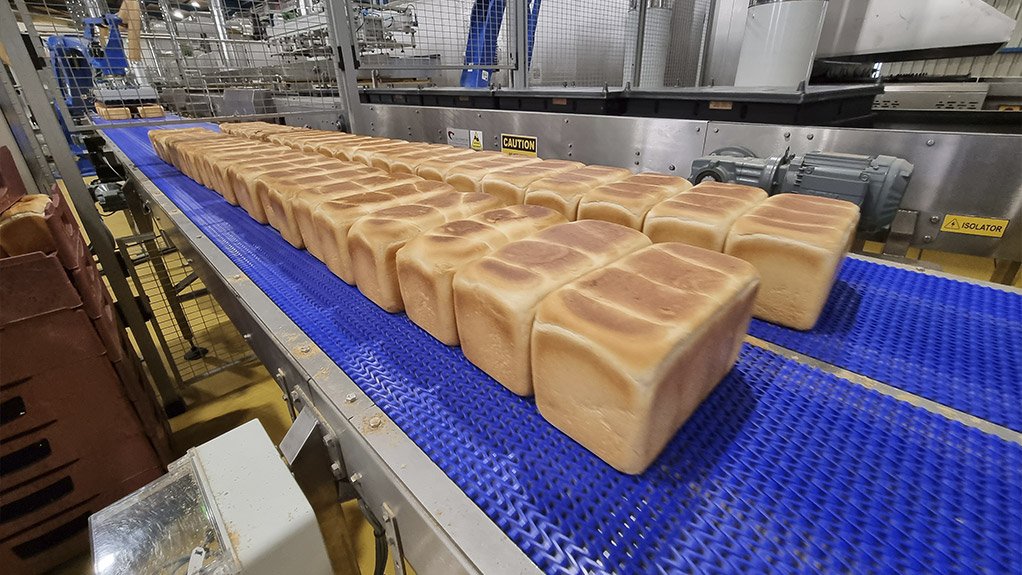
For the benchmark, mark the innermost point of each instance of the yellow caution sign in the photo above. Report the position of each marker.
(518, 145)
(476, 141)
(974, 226)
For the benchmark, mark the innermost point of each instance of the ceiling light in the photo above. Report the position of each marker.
(195, 4)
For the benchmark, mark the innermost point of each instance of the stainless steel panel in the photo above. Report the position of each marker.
(968, 174)
(443, 531)
(659, 145)
(933, 96)
(310, 111)
(883, 28)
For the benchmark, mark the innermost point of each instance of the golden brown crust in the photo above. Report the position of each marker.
(373, 241)
(495, 296)
(701, 216)
(34, 204)
(623, 355)
(797, 243)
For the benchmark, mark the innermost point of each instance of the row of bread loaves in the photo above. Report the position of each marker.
(619, 339)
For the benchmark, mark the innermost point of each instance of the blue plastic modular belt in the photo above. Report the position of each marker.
(956, 343)
(783, 469)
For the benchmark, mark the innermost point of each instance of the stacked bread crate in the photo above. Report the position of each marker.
(79, 427)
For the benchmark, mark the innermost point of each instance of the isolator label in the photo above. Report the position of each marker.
(518, 145)
(988, 227)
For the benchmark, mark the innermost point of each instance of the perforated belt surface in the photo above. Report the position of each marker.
(784, 468)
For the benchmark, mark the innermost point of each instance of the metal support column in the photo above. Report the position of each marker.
(216, 7)
(168, 20)
(12, 107)
(34, 84)
(147, 32)
(640, 39)
(341, 37)
(520, 73)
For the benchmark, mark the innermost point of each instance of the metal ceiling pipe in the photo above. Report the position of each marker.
(780, 43)
(219, 12)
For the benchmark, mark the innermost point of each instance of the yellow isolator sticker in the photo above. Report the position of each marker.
(518, 145)
(974, 226)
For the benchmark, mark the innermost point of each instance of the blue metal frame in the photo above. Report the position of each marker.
(481, 48)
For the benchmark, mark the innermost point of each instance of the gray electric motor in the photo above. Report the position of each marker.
(874, 183)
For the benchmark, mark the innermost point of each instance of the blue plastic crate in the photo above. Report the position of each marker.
(783, 469)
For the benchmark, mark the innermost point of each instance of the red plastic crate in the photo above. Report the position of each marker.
(64, 534)
(34, 284)
(44, 342)
(85, 392)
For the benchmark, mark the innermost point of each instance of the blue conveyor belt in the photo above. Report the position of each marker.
(784, 468)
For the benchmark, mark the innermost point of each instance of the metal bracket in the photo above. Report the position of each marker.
(281, 379)
(393, 540)
(345, 488)
(903, 228)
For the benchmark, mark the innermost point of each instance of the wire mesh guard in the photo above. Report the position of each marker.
(439, 42)
(196, 338)
(197, 58)
(567, 43)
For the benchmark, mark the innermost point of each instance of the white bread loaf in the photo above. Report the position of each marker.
(373, 155)
(332, 220)
(374, 240)
(427, 264)
(257, 130)
(562, 192)
(252, 182)
(407, 162)
(304, 206)
(23, 227)
(188, 155)
(342, 148)
(797, 243)
(283, 196)
(384, 160)
(240, 173)
(495, 297)
(624, 355)
(289, 181)
(151, 111)
(316, 145)
(627, 202)
(436, 168)
(170, 146)
(298, 140)
(208, 161)
(348, 152)
(468, 177)
(162, 139)
(510, 184)
(701, 216)
(219, 167)
(114, 113)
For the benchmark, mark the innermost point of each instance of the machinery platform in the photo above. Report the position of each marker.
(785, 468)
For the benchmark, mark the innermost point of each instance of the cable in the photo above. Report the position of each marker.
(382, 549)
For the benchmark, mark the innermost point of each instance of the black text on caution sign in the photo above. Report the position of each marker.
(518, 145)
(974, 226)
